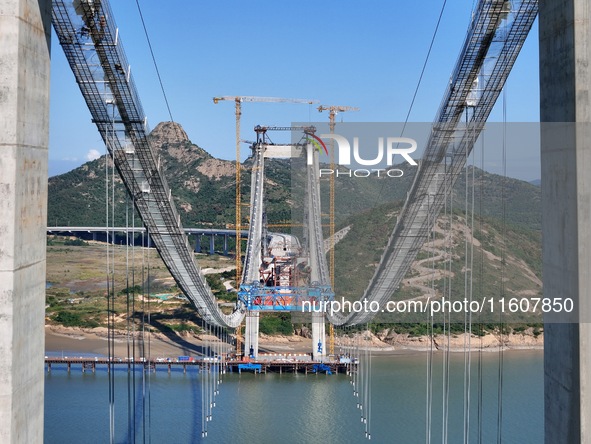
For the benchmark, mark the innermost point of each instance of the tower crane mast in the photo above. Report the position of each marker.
(333, 110)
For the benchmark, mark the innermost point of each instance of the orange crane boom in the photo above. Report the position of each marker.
(333, 110)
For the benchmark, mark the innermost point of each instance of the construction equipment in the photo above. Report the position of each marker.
(261, 129)
(333, 110)
(238, 110)
(238, 107)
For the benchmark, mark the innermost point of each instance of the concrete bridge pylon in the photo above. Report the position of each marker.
(565, 113)
(25, 31)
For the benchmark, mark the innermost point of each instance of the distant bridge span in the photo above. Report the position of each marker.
(195, 231)
(111, 232)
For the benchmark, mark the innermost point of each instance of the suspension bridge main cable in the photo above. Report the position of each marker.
(418, 86)
(154, 59)
(412, 102)
(176, 128)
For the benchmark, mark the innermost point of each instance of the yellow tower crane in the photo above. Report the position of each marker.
(238, 107)
(333, 110)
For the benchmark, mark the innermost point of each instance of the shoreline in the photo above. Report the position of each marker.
(73, 341)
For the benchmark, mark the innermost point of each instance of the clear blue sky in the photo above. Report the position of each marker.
(364, 54)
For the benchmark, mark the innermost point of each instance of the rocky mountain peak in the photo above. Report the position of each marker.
(168, 133)
(171, 137)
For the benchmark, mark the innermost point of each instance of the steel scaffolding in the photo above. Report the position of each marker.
(90, 39)
(496, 35)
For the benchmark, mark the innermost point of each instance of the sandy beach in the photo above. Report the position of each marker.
(73, 341)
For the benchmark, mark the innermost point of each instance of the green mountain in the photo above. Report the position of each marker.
(204, 187)
(502, 259)
(204, 190)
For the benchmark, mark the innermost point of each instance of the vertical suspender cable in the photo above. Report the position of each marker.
(444, 292)
(220, 357)
(108, 270)
(471, 289)
(130, 401)
(357, 367)
(429, 394)
(358, 383)
(449, 296)
(202, 383)
(143, 292)
(430, 382)
(110, 205)
(203, 376)
(147, 359)
(447, 290)
(148, 297)
(209, 372)
(206, 375)
(142, 346)
(503, 272)
(357, 370)
(480, 292)
(112, 311)
(214, 367)
(214, 374)
(366, 380)
(466, 234)
(468, 264)
(217, 361)
(363, 378)
(369, 369)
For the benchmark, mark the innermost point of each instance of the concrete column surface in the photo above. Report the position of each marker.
(318, 336)
(24, 130)
(565, 110)
(251, 333)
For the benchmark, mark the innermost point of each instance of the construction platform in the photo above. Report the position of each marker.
(284, 365)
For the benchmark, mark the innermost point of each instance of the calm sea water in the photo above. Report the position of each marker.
(290, 408)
